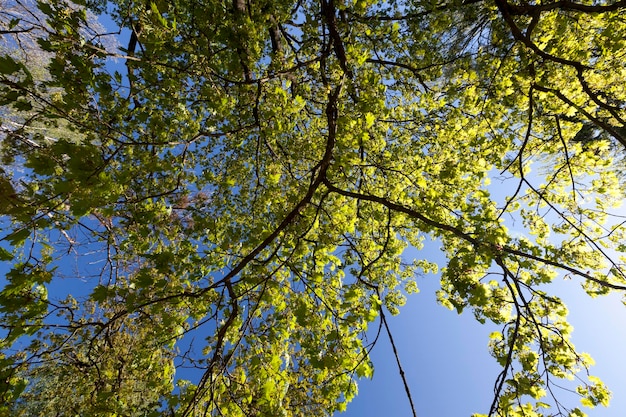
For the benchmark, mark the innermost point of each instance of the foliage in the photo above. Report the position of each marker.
(98, 370)
(238, 188)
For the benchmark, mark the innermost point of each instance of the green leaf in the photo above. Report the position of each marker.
(100, 293)
(256, 181)
(5, 255)
(18, 237)
(8, 65)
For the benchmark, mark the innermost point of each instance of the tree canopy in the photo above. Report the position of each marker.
(232, 191)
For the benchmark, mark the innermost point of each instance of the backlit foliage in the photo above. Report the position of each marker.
(230, 195)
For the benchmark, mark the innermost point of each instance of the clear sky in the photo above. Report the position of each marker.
(448, 366)
(446, 359)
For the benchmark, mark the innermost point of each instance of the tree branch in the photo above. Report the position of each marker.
(467, 237)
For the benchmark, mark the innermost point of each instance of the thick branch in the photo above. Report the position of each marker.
(321, 167)
(504, 8)
(613, 131)
(467, 237)
(531, 9)
(329, 13)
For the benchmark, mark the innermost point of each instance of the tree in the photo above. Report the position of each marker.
(239, 192)
(98, 370)
(22, 25)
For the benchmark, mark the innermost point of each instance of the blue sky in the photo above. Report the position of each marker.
(448, 366)
(446, 359)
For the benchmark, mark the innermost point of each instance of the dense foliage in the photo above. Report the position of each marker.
(231, 193)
